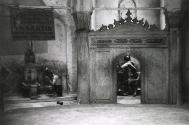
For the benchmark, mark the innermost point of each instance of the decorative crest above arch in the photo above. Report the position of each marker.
(130, 21)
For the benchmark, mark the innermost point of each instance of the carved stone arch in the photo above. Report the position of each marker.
(122, 2)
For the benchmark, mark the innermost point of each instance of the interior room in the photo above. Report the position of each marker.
(95, 58)
(128, 81)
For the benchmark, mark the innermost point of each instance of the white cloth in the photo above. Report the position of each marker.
(55, 78)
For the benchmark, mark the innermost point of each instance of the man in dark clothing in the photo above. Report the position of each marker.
(130, 75)
(48, 75)
(122, 83)
(47, 84)
(133, 81)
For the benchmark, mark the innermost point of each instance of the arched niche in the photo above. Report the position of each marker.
(138, 59)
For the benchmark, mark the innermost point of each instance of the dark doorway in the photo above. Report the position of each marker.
(128, 81)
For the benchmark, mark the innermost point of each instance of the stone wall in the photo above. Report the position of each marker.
(105, 16)
(52, 50)
(173, 5)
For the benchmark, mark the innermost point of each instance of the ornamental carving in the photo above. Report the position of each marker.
(121, 41)
(135, 41)
(130, 20)
(154, 41)
(104, 41)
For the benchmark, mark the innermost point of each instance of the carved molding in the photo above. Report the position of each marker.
(124, 42)
(130, 20)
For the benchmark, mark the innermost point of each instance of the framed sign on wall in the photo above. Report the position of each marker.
(32, 24)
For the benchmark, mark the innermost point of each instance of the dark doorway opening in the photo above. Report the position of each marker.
(128, 81)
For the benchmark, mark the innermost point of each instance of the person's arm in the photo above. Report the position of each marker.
(125, 65)
(128, 64)
(138, 77)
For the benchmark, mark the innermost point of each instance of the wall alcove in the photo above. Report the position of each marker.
(145, 42)
(119, 76)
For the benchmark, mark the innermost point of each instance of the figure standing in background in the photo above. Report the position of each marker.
(48, 76)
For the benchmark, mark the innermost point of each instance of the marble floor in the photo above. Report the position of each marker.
(128, 111)
(101, 114)
(17, 102)
(44, 101)
(128, 100)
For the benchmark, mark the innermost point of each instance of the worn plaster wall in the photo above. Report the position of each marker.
(81, 5)
(107, 16)
(71, 49)
(52, 50)
(56, 49)
(173, 5)
(8, 46)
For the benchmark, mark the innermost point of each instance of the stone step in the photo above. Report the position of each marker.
(41, 98)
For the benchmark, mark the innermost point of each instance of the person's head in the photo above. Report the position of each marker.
(127, 58)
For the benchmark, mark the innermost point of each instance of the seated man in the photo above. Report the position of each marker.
(46, 85)
(48, 73)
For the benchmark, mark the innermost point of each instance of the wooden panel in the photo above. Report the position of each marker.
(156, 76)
(102, 82)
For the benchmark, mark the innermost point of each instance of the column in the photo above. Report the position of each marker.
(82, 21)
(175, 82)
